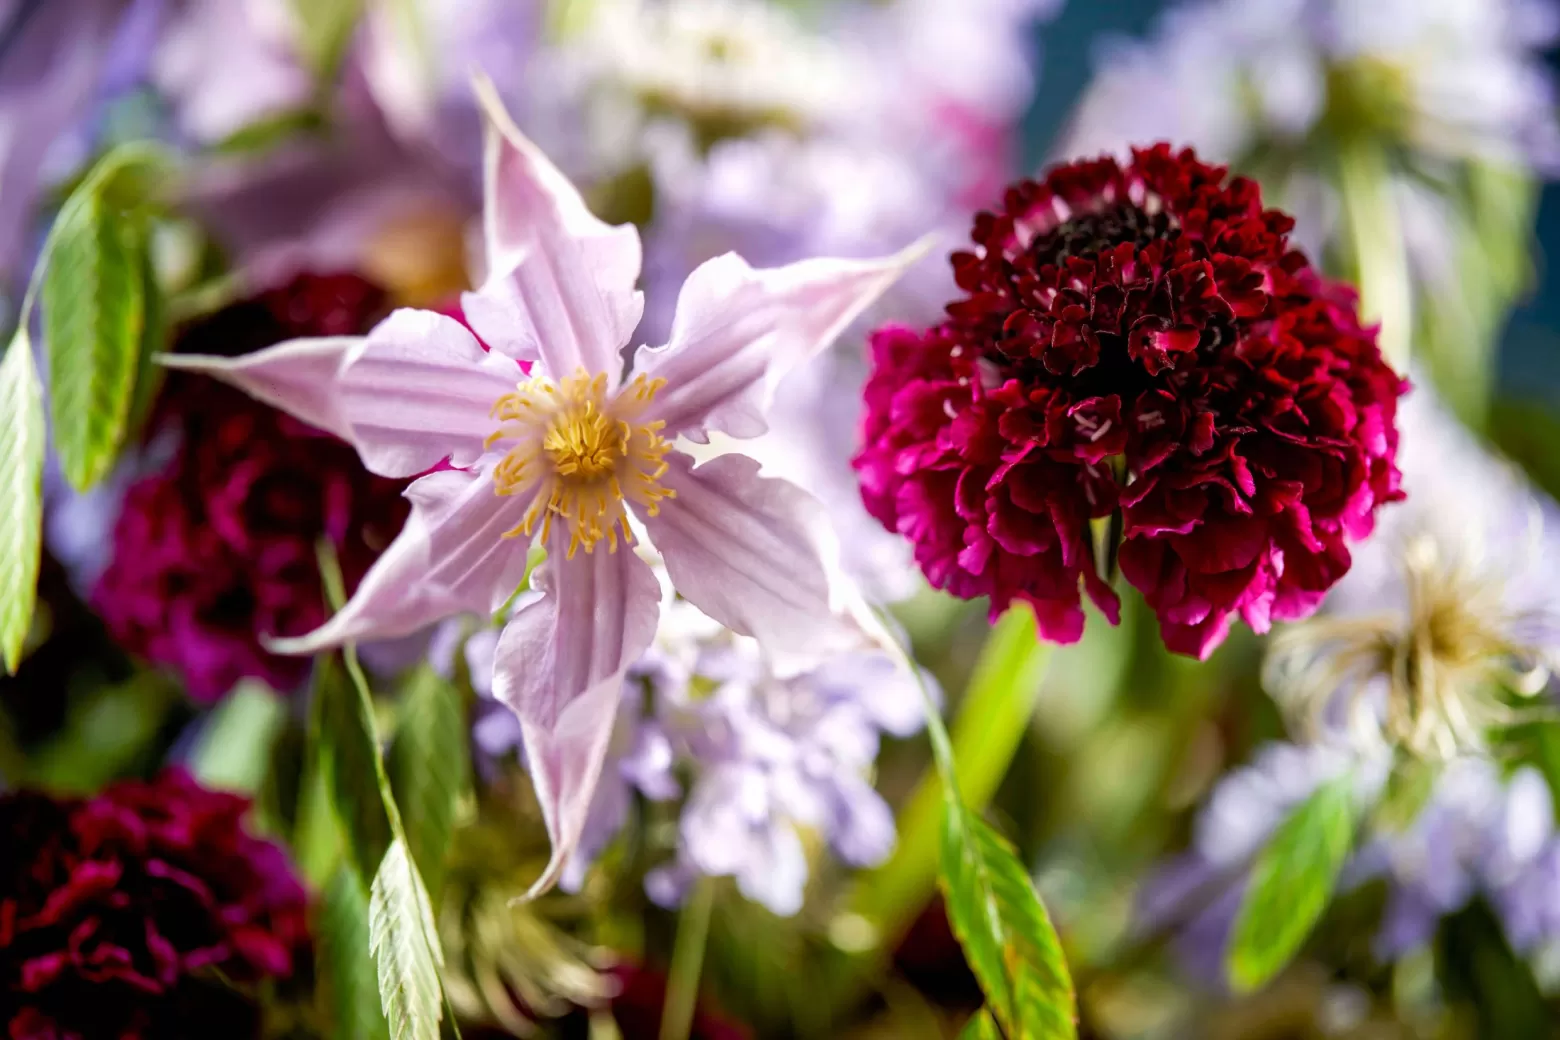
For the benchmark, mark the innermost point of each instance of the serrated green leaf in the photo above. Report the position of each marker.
(350, 979)
(94, 309)
(154, 337)
(401, 940)
(350, 756)
(428, 768)
(1006, 933)
(21, 495)
(1291, 884)
(981, 1026)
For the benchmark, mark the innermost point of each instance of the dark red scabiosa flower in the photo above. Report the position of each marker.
(145, 912)
(218, 546)
(1135, 340)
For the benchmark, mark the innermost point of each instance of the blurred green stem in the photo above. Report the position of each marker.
(682, 983)
(991, 721)
(1376, 246)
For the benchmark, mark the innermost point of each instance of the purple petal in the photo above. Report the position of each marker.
(745, 549)
(420, 389)
(450, 558)
(560, 666)
(298, 377)
(560, 282)
(739, 330)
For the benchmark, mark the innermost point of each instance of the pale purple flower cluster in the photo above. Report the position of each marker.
(1480, 833)
(757, 759)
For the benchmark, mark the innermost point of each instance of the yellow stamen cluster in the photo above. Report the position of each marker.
(582, 454)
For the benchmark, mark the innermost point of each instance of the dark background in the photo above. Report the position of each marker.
(1530, 350)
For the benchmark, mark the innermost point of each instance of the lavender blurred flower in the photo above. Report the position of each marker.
(566, 454)
(229, 64)
(1478, 833)
(1449, 79)
(1450, 609)
(767, 757)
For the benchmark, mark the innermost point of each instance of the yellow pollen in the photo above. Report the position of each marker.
(582, 454)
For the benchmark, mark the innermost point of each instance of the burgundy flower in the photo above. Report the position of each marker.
(218, 547)
(144, 912)
(1135, 339)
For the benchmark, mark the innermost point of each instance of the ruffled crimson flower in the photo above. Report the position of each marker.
(145, 912)
(1138, 340)
(218, 547)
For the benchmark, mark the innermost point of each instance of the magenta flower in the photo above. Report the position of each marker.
(551, 442)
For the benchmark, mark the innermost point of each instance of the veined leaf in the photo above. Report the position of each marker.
(21, 495)
(94, 309)
(981, 1026)
(350, 979)
(428, 768)
(350, 756)
(1291, 884)
(402, 941)
(1005, 931)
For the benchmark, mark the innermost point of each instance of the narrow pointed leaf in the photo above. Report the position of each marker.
(1006, 933)
(351, 982)
(400, 936)
(981, 1026)
(1291, 884)
(21, 495)
(353, 776)
(94, 311)
(428, 768)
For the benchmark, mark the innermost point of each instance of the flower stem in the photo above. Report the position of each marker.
(682, 983)
(1375, 243)
(987, 731)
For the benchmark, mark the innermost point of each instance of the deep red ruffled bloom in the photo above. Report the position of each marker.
(219, 546)
(144, 912)
(1139, 338)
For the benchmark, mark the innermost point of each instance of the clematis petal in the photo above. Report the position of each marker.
(560, 282)
(450, 558)
(419, 389)
(297, 377)
(738, 330)
(749, 552)
(559, 667)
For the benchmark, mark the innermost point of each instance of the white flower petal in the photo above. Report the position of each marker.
(745, 550)
(739, 330)
(559, 667)
(450, 558)
(297, 377)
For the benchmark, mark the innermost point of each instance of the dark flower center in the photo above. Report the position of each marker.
(1088, 234)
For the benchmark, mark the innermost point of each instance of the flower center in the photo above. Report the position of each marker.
(1091, 233)
(584, 453)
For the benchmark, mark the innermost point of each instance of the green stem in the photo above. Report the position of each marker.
(682, 983)
(1375, 242)
(987, 731)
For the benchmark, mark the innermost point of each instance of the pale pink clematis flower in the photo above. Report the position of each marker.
(564, 452)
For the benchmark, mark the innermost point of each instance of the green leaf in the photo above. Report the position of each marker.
(154, 340)
(1291, 884)
(350, 980)
(402, 941)
(981, 1026)
(234, 752)
(993, 716)
(1005, 931)
(21, 495)
(352, 768)
(94, 309)
(428, 769)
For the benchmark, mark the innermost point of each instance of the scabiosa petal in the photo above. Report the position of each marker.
(1135, 338)
(119, 913)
